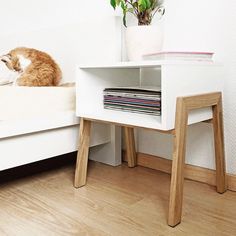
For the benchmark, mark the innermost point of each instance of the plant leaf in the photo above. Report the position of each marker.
(125, 9)
(113, 3)
(124, 19)
(131, 10)
(142, 5)
(161, 11)
(148, 4)
(135, 4)
(118, 2)
(123, 5)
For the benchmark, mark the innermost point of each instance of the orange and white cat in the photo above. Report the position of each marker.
(32, 67)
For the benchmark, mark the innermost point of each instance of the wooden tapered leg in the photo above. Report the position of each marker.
(82, 156)
(177, 174)
(130, 146)
(221, 185)
(184, 105)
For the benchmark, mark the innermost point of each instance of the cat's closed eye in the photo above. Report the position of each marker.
(5, 58)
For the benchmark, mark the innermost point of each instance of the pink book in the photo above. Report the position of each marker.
(179, 55)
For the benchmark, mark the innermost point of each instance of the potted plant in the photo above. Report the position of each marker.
(143, 38)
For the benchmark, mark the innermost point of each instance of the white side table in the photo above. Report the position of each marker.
(191, 93)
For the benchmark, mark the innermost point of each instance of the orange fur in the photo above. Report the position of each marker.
(42, 71)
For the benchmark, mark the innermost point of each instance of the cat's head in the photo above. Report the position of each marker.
(12, 62)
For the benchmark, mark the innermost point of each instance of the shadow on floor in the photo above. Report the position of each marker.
(37, 167)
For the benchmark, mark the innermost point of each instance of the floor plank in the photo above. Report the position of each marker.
(115, 201)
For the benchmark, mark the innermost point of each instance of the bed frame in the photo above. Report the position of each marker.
(35, 138)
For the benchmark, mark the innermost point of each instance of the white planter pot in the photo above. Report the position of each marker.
(140, 40)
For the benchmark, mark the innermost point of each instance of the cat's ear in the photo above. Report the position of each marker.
(5, 58)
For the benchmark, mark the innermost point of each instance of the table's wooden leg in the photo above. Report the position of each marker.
(82, 156)
(177, 174)
(130, 146)
(221, 185)
(184, 105)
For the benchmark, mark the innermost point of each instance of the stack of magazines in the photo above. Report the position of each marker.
(144, 100)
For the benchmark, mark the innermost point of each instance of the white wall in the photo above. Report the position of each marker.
(202, 26)
(73, 32)
(26, 15)
(189, 25)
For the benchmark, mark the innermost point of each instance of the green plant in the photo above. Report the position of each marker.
(143, 10)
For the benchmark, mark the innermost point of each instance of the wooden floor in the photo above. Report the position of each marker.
(115, 201)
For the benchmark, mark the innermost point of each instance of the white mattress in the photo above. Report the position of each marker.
(32, 109)
(27, 102)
